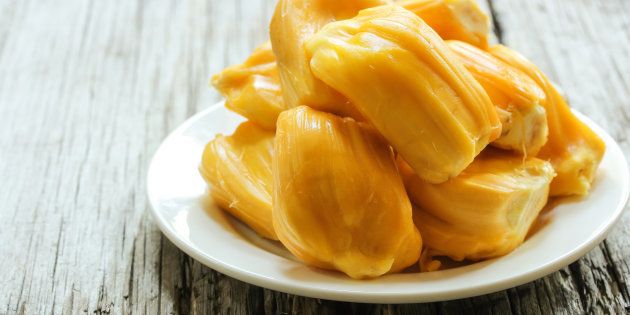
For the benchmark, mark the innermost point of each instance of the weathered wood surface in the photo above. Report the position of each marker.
(88, 89)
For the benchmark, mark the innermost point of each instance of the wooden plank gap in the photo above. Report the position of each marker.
(496, 21)
(578, 280)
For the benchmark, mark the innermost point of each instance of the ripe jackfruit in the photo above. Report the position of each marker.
(238, 168)
(252, 89)
(573, 148)
(293, 23)
(453, 19)
(339, 201)
(486, 211)
(407, 83)
(525, 130)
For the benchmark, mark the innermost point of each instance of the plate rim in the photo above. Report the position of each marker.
(296, 288)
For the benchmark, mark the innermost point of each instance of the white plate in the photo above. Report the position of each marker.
(190, 220)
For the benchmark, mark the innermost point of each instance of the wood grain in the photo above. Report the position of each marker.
(88, 89)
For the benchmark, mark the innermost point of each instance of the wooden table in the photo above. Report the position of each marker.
(88, 90)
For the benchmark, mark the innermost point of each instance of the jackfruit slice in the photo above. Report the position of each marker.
(238, 167)
(486, 211)
(339, 201)
(461, 20)
(293, 23)
(573, 148)
(252, 89)
(407, 83)
(513, 91)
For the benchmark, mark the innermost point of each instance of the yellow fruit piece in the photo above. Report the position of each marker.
(407, 83)
(252, 89)
(339, 201)
(525, 128)
(486, 211)
(238, 168)
(453, 19)
(426, 262)
(293, 23)
(573, 148)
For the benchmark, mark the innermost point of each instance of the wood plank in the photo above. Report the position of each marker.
(88, 90)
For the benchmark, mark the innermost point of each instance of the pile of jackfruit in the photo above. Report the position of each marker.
(381, 135)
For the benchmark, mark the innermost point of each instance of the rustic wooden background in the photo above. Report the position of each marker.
(88, 89)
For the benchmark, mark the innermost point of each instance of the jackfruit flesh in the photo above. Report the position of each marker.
(461, 20)
(513, 91)
(572, 147)
(408, 176)
(252, 89)
(486, 211)
(339, 200)
(407, 83)
(238, 169)
(293, 23)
